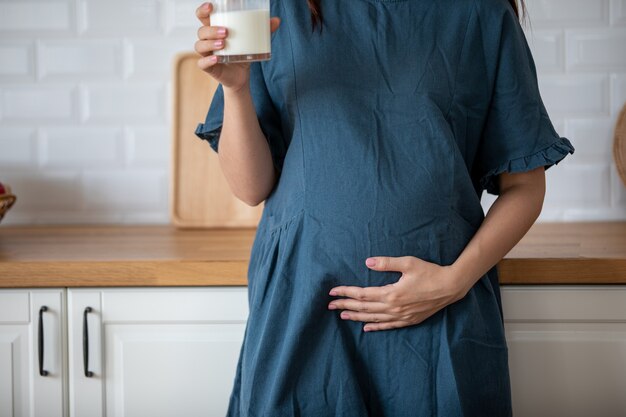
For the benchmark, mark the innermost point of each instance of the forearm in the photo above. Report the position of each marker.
(508, 220)
(244, 153)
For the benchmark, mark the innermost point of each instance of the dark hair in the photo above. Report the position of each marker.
(316, 11)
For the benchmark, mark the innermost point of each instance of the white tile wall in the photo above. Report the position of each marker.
(618, 12)
(95, 147)
(147, 147)
(30, 104)
(548, 51)
(568, 13)
(575, 94)
(42, 190)
(83, 58)
(147, 59)
(16, 59)
(25, 16)
(618, 92)
(593, 181)
(592, 138)
(127, 17)
(181, 18)
(128, 102)
(84, 105)
(118, 190)
(596, 49)
(17, 147)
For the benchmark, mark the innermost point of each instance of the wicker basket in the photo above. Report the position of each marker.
(6, 201)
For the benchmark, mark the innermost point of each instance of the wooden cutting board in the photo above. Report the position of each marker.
(200, 195)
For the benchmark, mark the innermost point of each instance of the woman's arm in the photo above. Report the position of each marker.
(508, 220)
(244, 153)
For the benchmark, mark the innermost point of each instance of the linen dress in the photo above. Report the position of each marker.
(385, 128)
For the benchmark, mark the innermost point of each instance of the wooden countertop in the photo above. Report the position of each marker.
(104, 256)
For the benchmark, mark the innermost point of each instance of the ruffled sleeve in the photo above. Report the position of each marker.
(267, 114)
(518, 135)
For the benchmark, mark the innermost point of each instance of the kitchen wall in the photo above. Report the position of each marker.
(85, 105)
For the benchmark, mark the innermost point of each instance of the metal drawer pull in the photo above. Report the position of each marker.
(42, 372)
(88, 374)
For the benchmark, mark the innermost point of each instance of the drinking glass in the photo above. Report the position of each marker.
(248, 26)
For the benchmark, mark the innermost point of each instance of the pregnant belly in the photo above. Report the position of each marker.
(308, 256)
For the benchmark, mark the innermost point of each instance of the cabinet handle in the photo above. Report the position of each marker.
(42, 372)
(88, 374)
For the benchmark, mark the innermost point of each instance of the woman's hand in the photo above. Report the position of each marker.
(211, 38)
(423, 289)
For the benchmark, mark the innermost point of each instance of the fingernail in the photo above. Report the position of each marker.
(370, 262)
(332, 307)
(345, 315)
(213, 58)
(366, 329)
(205, 5)
(332, 292)
(218, 43)
(221, 31)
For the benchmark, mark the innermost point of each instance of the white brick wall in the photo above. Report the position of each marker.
(17, 60)
(580, 51)
(62, 59)
(21, 17)
(84, 105)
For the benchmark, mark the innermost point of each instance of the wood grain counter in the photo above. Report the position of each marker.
(105, 256)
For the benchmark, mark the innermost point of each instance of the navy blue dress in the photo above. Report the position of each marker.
(385, 128)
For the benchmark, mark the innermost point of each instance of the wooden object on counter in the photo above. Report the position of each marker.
(7, 199)
(201, 197)
(104, 256)
(619, 145)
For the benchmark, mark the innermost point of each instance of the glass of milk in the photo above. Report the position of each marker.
(248, 26)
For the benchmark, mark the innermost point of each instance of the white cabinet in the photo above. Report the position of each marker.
(157, 352)
(567, 350)
(33, 372)
(167, 351)
(172, 351)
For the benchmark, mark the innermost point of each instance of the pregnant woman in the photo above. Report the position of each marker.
(371, 135)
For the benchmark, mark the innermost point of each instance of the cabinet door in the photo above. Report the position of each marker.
(23, 390)
(156, 351)
(567, 350)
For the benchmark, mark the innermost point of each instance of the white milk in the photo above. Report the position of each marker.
(248, 31)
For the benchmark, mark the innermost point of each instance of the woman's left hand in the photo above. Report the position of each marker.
(423, 289)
